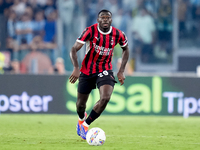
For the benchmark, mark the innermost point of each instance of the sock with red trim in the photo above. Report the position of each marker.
(93, 115)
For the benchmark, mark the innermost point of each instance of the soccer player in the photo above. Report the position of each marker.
(96, 68)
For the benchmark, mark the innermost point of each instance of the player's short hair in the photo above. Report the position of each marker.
(104, 10)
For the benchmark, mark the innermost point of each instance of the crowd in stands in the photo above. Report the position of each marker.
(31, 35)
(31, 28)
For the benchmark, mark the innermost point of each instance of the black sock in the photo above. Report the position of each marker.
(93, 115)
(81, 114)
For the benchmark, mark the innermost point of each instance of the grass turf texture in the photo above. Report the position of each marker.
(58, 132)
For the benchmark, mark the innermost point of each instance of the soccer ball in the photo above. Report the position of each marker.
(96, 137)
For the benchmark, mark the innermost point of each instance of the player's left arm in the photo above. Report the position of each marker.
(125, 56)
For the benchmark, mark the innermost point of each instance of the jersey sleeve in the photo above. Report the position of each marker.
(85, 36)
(123, 40)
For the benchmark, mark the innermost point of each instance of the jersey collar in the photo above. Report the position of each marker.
(104, 32)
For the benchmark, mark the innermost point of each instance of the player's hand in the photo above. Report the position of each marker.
(74, 76)
(121, 77)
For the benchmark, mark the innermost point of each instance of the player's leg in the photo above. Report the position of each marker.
(85, 86)
(81, 104)
(105, 94)
(80, 108)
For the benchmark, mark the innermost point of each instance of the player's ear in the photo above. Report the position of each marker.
(98, 19)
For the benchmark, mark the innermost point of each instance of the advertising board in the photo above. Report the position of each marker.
(138, 96)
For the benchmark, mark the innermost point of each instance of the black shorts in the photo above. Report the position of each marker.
(89, 82)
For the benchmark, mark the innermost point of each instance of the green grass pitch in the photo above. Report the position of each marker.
(58, 132)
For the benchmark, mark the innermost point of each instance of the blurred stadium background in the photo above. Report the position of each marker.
(164, 39)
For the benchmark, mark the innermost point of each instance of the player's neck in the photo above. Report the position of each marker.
(104, 30)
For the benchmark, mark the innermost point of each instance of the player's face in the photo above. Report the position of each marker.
(104, 20)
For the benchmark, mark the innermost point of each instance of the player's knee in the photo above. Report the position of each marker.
(80, 106)
(105, 99)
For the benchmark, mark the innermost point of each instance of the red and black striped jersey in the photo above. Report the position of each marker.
(99, 48)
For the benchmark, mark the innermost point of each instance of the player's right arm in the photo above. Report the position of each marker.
(85, 36)
(74, 58)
